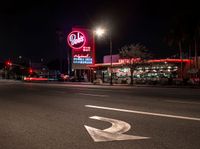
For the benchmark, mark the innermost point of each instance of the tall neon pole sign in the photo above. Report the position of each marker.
(80, 40)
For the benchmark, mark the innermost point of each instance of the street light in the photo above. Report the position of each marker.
(100, 32)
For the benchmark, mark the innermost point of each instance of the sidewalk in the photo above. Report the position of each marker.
(90, 84)
(9, 81)
(170, 86)
(134, 85)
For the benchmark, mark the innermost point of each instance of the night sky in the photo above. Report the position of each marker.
(29, 28)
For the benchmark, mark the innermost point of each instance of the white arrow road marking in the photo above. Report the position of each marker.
(115, 132)
(145, 113)
(117, 125)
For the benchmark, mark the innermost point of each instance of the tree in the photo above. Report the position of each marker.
(176, 36)
(195, 39)
(184, 33)
(54, 64)
(134, 53)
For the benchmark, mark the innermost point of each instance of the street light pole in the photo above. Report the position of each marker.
(111, 74)
(94, 58)
(99, 32)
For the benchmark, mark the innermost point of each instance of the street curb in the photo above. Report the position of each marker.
(130, 86)
(102, 85)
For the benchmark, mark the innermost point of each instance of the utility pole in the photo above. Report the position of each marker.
(196, 54)
(181, 57)
(68, 62)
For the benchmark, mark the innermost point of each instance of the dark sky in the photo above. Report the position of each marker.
(28, 28)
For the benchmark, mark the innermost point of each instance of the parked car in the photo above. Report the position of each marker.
(63, 77)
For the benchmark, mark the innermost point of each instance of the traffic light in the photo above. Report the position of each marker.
(30, 70)
(8, 63)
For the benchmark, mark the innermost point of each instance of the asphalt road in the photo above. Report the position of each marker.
(54, 116)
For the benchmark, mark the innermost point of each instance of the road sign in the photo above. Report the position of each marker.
(113, 133)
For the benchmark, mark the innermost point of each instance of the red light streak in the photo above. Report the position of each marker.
(35, 79)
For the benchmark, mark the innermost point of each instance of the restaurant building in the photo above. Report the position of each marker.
(150, 71)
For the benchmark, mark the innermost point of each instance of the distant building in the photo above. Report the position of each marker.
(1, 70)
(107, 58)
(40, 69)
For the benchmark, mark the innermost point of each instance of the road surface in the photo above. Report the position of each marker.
(64, 116)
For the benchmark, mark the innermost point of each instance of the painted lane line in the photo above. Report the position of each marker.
(59, 92)
(107, 90)
(113, 133)
(95, 95)
(183, 102)
(144, 113)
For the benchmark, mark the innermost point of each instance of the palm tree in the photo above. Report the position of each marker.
(196, 38)
(185, 34)
(135, 53)
(178, 36)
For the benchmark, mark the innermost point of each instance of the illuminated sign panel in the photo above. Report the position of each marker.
(81, 42)
(76, 40)
(129, 61)
(78, 60)
(82, 57)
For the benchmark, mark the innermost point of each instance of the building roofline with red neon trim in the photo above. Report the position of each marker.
(148, 61)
